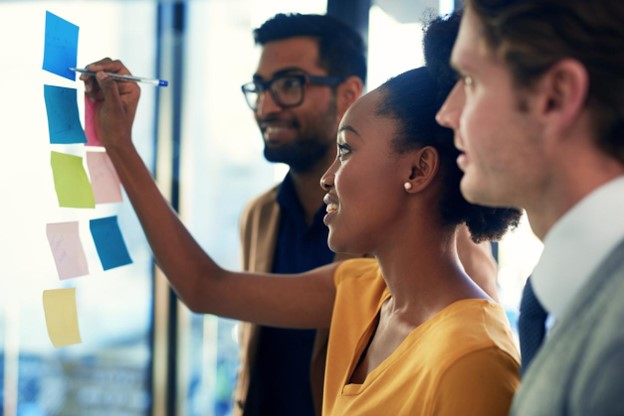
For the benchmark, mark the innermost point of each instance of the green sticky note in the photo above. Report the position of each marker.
(73, 189)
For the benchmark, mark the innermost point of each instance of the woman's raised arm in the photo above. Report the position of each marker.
(301, 301)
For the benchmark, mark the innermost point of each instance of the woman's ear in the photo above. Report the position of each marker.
(347, 92)
(424, 167)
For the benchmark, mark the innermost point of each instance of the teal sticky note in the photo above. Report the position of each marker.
(63, 118)
(60, 47)
(73, 188)
(109, 242)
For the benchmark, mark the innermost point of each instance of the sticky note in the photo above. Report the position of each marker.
(67, 249)
(90, 131)
(61, 316)
(73, 189)
(104, 179)
(60, 46)
(109, 242)
(63, 119)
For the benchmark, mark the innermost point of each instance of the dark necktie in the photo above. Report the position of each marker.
(531, 325)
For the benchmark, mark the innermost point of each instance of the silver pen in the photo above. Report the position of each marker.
(121, 77)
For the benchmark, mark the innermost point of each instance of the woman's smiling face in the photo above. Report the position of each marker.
(365, 182)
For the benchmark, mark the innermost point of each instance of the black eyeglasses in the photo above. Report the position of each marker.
(286, 90)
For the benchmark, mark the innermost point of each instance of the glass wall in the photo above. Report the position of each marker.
(109, 371)
(406, 53)
(222, 167)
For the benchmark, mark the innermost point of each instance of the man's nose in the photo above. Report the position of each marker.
(449, 113)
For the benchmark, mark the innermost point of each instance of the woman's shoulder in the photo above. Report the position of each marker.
(476, 358)
(357, 269)
(473, 325)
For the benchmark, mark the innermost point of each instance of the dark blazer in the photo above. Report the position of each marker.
(579, 371)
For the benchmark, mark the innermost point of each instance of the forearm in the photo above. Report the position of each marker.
(201, 284)
(175, 250)
(301, 301)
(478, 262)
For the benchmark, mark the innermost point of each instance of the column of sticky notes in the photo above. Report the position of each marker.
(83, 177)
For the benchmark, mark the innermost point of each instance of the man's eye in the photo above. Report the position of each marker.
(288, 84)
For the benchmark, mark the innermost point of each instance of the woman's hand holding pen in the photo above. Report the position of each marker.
(115, 102)
(115, 105)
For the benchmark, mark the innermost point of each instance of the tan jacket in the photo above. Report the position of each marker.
(259, 223)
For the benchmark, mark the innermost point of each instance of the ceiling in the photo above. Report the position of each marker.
(408, 11)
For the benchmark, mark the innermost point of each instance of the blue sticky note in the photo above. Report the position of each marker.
(61, 46)
(109, 242)
(63, 118)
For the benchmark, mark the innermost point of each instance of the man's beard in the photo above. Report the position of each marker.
(304, 153)
(301, 155)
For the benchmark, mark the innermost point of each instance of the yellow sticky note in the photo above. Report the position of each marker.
(61, 316)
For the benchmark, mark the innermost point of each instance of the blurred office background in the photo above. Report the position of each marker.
(142, 352)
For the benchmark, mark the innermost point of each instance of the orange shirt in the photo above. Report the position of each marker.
(463, 361)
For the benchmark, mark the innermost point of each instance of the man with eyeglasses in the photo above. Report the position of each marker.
(311, 69)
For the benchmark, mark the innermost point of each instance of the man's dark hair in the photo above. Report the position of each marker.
(341, 49)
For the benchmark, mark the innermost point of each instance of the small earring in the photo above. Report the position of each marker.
(407, 186)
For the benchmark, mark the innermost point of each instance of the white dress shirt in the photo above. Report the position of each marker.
(577, 244)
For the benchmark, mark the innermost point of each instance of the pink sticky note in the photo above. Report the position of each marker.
(104, 179)
(90, 131)
(67, 250)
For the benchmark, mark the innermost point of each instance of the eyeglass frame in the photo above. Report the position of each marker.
(330, 81)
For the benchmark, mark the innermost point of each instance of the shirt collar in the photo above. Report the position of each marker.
(286, 194)
(288, 200)
(576, 245)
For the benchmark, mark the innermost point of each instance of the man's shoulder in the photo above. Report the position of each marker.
(607, 284)
(597, 307)
(261, 201)
(265, 197)
(583, 348)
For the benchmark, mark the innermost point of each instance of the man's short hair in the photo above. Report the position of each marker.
(530, 36)
(341, 49)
